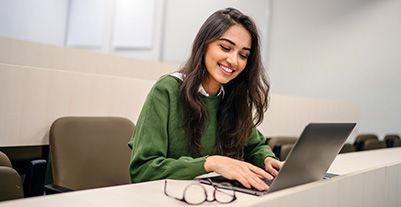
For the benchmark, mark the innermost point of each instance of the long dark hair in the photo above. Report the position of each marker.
(246, 96)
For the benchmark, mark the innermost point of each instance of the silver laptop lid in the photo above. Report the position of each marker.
(312, 154)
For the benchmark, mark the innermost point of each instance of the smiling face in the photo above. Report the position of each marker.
(226, 57)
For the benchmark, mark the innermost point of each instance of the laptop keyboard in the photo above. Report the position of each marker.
(268, 182)
(234, 183)
(329, 175)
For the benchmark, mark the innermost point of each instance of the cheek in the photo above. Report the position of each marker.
(216, 55)
(207, 60)
(211, 57)
(242, 64)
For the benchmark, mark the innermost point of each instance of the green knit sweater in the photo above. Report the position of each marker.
(159, 147)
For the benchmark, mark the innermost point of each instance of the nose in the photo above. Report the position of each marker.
(232, 59)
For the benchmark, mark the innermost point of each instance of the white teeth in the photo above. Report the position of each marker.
(228, 70)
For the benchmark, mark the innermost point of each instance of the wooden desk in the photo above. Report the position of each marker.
(352, 188)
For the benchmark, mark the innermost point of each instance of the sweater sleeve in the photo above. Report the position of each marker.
(149, 158)
(256, 150)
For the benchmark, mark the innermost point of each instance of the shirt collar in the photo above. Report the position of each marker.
(201, 90)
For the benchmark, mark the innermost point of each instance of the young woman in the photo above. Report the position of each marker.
(202, 118)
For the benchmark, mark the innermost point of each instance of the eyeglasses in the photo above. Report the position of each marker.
(196, 194)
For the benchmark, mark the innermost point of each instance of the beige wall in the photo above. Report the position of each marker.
(288, 115)
(39, 83)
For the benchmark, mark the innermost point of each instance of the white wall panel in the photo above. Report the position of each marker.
(87, 23)
(133, 24)
(39, 21)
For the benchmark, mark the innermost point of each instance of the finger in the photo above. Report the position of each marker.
(254, 179)
(270, 169)
(277, 164)
(250, 179)
(259, 171)
(243, 181)
(258, 183)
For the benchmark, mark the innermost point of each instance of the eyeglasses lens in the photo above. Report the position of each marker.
(195, 194)
(224, 194)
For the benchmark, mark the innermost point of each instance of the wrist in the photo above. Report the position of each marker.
(208, 165)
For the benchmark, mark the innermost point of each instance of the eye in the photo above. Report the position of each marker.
(244, 56)
(224, 48)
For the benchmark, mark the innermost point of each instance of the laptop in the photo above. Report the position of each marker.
(308, 160)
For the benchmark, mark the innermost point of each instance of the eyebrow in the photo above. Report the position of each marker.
(233, 43)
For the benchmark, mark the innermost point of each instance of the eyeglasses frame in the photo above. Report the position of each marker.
(215, 186)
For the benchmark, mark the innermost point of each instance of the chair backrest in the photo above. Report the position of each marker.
(397, 143)
(281, 145)
(361, 138)
(390, 139)
(273, 141)
(4, 161)
(285, 150)
(90, 152)
(10, 181)
(347, 148)
(373, 144)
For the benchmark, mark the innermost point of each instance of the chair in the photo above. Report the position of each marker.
(347, 148)
(89, 152)
(285, 150)
(26, 161)
(361, 138)
(281, 145)
(397, 143)
(391, 139)
(10, 181)
(4, 161)
(34, 180)
(373, 144)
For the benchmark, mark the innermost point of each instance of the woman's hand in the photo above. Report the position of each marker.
(272, 166)
(247, 174)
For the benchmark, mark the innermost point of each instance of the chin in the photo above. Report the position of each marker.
(224, 80)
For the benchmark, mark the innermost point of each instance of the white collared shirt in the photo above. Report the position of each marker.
(201, 89)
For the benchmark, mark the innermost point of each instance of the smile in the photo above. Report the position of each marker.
(226, 70)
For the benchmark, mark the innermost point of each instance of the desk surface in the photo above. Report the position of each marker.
(151, 193)
(357, 161)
